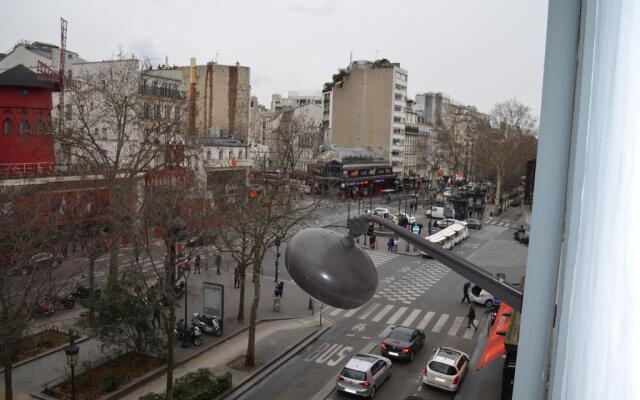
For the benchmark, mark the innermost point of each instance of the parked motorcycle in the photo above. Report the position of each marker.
(192, 334)
(68, 301)
(208, 325)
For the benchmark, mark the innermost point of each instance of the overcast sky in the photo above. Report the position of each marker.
(478, 52)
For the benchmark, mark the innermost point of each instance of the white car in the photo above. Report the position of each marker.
(363, 374)
(445, 369)
(380, 211)
(480, 296)
(443, 223)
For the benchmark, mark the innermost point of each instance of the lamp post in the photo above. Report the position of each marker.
(71, 352)
(185, 275)
(277, 257)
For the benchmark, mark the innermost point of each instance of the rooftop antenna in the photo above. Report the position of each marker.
(350, 57)
(376, 57)
(217, 54)
(166, 60)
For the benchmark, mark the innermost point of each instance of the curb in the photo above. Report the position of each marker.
(154, 374)
(161, 370)
(46, 353)
(262, 373)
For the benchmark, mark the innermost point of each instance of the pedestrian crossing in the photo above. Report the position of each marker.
(392, 315)
(504, 224)
(413, 282)
(379, 257)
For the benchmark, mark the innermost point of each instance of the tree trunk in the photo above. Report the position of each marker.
(169, 277)
(114, 252)
(498, 187)
(92, 285)
(8, 381)
(250, 360)
(242, 268)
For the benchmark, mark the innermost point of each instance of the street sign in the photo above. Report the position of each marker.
(213, 300)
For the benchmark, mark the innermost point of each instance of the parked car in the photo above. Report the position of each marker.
(36, 262)
(363, 374)
(443, 223)
(410, 219)
(480, 296)
(402, 343)
(445, 369)
(381, 211)
(473, 223)
(194, 241)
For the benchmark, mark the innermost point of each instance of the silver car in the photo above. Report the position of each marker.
(445, 369)
(363, 374)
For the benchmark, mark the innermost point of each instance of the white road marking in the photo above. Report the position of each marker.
(468, 334)
(457, 322)
(395, 317)
(370, 311)
(385, 331)
(351, 312)
(382, 313)
(414, 314)
(440, 323)
(336, 312)
(425, 320)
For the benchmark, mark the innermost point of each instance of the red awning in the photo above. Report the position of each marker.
(494, 347)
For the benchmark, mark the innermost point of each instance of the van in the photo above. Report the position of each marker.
(439, 212)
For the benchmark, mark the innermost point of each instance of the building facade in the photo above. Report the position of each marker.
(367, 109)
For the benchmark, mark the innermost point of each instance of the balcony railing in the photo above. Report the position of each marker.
(228, 163)
(40, 170)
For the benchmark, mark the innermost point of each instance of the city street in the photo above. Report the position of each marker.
(413, 291)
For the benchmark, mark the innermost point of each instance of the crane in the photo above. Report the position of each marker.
(47, 73)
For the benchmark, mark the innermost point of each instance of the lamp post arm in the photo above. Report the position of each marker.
(474, 273)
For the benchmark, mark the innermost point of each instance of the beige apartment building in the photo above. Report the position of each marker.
(367, 109)
(222, 98)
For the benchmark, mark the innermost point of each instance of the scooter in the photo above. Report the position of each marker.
(68, 302)
(191, 334)
(208, 325)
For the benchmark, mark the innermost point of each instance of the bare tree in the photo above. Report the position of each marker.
(510, 120)
(28, 225)
(115, 128)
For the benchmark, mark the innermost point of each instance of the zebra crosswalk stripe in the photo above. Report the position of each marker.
(385, 331)
(351, 312)
(468, 334)
(440, 323)
(335, 312)
(382, 313)
(425, 320)
(395, 317)
(414, 314)
(457, 322)
(369, 311)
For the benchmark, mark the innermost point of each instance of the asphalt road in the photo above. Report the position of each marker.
(413, 292)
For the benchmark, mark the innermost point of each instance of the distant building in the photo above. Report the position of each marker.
(367, 109)
(355, 172)
(222, 98)
(29, 53)
(295, 99)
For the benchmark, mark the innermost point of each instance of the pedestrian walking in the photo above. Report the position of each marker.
(471, 316)
(197, 265)
(465, 290)
(390, 244)
(279, 288)
(396, 242)
(372, 241)
(236, 278)
(218, 264)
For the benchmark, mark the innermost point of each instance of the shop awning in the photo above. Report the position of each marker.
(494, 347)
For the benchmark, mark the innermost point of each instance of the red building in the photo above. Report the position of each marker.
(26, 145)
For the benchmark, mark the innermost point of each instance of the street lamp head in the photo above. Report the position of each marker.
(331, 268)
(71, 352)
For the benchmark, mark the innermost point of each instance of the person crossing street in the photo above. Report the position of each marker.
(465, 290)
(471, 316)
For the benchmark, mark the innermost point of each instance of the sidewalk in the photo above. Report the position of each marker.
(273, 340)
(30, 377)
